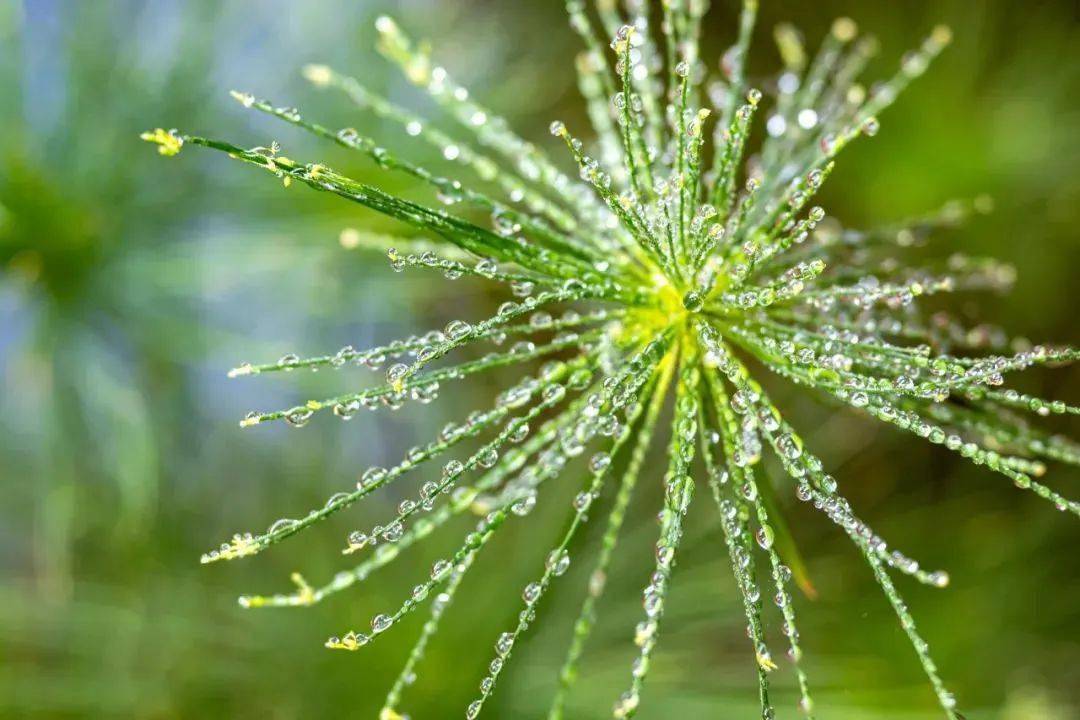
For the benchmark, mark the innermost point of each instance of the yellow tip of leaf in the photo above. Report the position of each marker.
(168, 141)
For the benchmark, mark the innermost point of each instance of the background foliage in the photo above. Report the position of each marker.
(127, 288)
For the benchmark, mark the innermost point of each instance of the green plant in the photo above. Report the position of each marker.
(686, 270)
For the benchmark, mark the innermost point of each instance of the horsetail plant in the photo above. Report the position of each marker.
(665, 267)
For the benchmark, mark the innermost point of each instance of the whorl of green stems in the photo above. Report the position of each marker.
(690, 262)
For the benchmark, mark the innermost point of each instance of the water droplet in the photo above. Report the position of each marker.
(380, 623)
(531, 593)
(524, 506)
(599, 462)
(458, 329)
(693, 301)
(371, 477)
(440, 568)
(281, 526)
(346, 410)
(558, 561)
(298, 417)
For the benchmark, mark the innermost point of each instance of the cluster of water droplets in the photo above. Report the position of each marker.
(619, 393)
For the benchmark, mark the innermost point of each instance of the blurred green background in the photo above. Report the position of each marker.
(130, 284)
